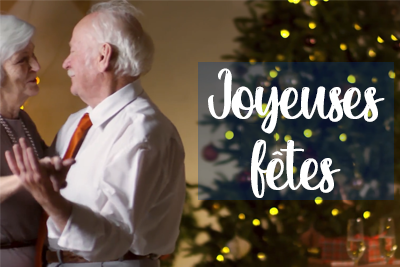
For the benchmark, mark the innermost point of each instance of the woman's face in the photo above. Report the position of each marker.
(20, 73)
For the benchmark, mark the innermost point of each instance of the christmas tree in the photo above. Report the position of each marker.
(290, 41)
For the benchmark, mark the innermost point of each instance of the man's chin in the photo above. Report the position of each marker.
(73, 92)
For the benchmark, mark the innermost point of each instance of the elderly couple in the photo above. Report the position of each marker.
(111, 187)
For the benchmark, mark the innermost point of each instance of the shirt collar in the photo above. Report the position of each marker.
(114, 103)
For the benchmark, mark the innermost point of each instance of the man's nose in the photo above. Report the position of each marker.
(66, 63)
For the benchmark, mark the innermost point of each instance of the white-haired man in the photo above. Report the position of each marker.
(125, 194)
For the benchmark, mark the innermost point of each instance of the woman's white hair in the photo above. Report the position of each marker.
(15, 35)
(116, 24)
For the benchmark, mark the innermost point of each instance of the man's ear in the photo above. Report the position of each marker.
(104, 58)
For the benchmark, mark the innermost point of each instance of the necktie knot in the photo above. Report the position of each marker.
(85, 123)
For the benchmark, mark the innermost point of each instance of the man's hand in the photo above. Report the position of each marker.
(57, 170)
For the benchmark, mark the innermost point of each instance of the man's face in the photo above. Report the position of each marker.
(20, 73)
(80, 62)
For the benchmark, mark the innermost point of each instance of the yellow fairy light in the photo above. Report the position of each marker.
(343, 137)
(273, 211)
(371, 53)
(366, 214)
(318, 200)
(287, 138)
(220, 258)
(37, 80)
(307, 133)
(392, 75)
(277, 68)
(369, 113)
(242, 216)
(357, 27)
(285, 33)
(276, 136)
(374, 80)
(394, 38)
(312, 25)
(335, 212)
(296, 1)
(229, 135)
(22, 107)
(294, 169)
(273, 73)
(326, 0)
(351, 79)
(264, 106)
(261, 256)
(225, 250)
(313, 2)
(280, 57)
(380, 40)
(290, 1)
(252, 61)
(343, 47)
(311, 57)
(256, 222)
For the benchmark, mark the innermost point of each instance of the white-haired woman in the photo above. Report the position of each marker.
(20, 213)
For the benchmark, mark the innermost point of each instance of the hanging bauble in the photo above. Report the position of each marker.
(267, 19)
(210, 152)
(289, 79)
(311, 238)
(240, 69)
(166, 257)
(244, 177)
(238, 248)
(357, 182)
(310, 41)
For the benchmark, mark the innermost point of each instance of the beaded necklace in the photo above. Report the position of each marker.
(12, 137)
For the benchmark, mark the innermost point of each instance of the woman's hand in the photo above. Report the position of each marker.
(43, 179)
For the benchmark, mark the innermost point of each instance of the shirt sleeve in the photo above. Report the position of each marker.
(131, 184)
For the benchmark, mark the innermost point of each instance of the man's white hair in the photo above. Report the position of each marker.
(15, 35)
(116, 23)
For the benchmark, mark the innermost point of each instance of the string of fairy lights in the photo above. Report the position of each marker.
(308, 133)
(312, 25)
(273, 211)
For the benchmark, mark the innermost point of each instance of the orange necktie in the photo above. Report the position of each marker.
(73, 147)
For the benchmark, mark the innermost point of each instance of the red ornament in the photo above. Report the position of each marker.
(244, 177)
(310, 41)
(165, 257)
(311, 238)
(210, 152)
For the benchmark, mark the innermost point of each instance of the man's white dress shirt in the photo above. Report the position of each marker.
(128, 183)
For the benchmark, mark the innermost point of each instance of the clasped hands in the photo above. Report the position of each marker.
(42, 178)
